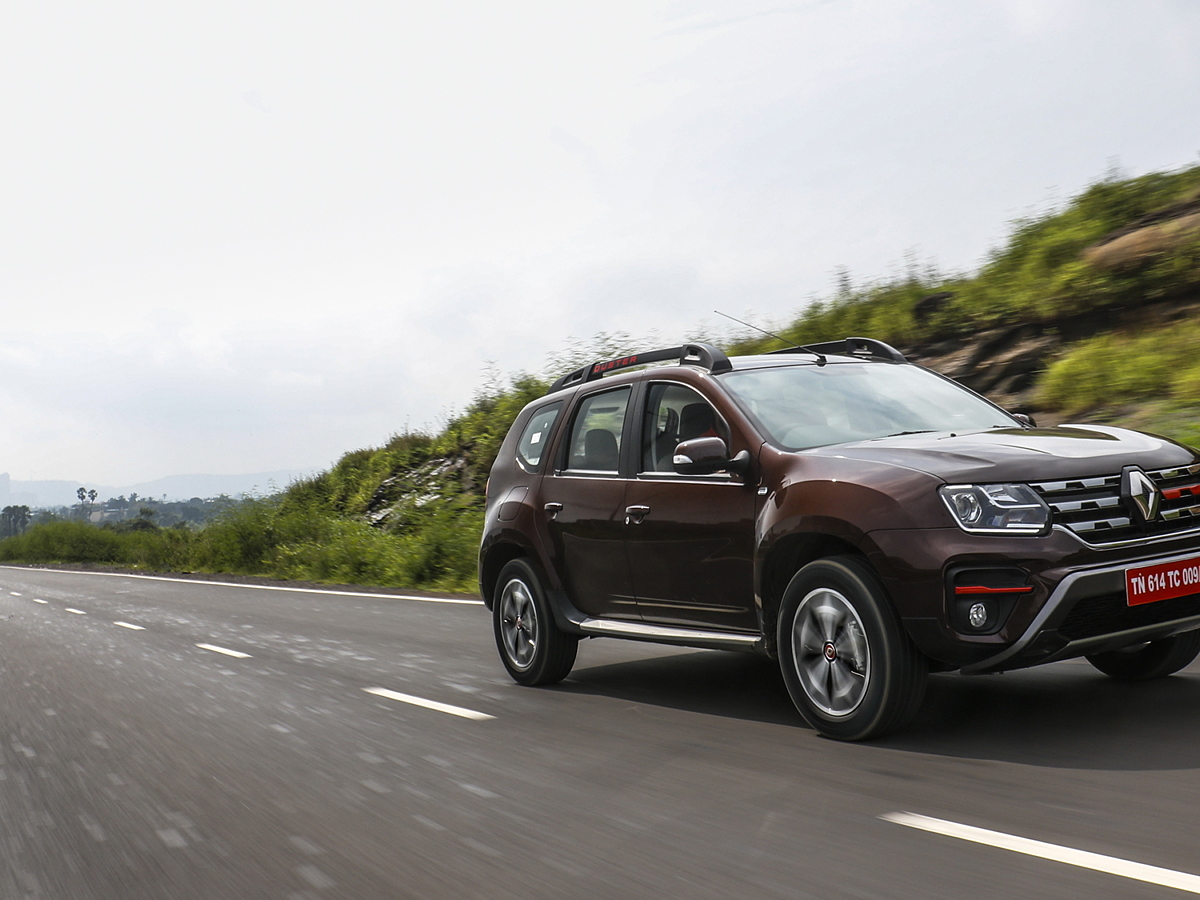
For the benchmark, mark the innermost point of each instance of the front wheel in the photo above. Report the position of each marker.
(851, 670)
(531, 646)
(1155, 659)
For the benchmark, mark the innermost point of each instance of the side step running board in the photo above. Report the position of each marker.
(661, 634)
(572, 621)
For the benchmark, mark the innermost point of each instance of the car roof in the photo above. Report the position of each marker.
(713, 360)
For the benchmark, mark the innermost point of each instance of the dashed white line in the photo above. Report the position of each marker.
(264, 587)
(14, 593)
(36, 600)
(1097, 862)
(215, 649)
(429, 704)
(78, 612)
(130, 626)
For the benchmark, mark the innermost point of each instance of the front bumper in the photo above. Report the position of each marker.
(1087, 613)
(1077, 605)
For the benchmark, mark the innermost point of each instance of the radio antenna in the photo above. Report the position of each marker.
(791, 345)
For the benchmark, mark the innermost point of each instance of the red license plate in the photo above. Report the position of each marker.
(1162, 582)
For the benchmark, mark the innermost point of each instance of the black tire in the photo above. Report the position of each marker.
(531, 646)
(852, 671)
(1156, 659)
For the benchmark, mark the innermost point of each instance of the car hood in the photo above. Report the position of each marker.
(1020, 454)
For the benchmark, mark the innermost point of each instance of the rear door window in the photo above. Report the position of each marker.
(595, 443)
(532, 445)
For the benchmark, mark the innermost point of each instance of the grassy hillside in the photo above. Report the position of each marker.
(1119, 242)
(409, 513)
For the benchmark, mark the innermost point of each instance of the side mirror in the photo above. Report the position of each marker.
(706, 455)
(1025, 420)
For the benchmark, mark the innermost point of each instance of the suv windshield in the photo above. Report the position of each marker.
(812, 406)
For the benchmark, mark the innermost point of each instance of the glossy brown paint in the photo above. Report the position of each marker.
(587, 537)
(692, 554)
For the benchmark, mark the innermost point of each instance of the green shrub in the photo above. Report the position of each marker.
(1118, 368)
(1186, 383)
(64, 542)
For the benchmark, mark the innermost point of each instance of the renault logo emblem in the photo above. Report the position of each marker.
(1140, 493)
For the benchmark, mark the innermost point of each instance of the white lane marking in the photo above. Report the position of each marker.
(428, 704)
(78, 612)
(259, 587)
(14, 593)
(36, 600)
(215, 649)
(1084, 859)
(130, 626)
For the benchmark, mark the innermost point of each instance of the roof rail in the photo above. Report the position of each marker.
(864, 348)
(705, 356)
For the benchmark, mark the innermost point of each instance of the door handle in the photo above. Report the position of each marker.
(635, 514)
(553, 508)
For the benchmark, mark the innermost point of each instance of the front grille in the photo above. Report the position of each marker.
(1109, 613)
(1092, 507)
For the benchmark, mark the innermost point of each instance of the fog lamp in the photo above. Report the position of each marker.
(977, 615)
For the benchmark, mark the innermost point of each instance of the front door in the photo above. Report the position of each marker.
(690, 538)
(584, 502)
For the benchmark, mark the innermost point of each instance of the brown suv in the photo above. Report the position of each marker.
(858, 517)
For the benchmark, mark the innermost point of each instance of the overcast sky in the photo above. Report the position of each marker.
(247, 236)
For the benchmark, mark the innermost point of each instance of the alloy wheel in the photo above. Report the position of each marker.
(518, 623)
(830, 652)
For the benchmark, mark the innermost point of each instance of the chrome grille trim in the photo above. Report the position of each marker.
(1175, 473)
(1076, 505)
(1100, 524)
(1079, 484)
(1090, 508)
(1186, 512)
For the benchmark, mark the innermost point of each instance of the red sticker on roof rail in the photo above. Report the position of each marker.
(614, 364)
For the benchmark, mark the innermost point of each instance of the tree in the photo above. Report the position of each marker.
(14, 520)
(81, 493)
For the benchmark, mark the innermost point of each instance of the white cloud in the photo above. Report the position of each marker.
(249, 236)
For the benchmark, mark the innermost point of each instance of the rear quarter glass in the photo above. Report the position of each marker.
(531, 447)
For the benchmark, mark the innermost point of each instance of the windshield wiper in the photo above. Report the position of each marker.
(922, 431)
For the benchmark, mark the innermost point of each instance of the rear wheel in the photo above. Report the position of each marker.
(851, 670)
(1155, 659)
(531, 646)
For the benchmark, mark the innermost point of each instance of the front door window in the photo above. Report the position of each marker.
(675, 413)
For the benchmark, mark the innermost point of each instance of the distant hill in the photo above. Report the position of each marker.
(43, 494)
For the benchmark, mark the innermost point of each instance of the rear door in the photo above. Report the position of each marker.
(584, 503)
(690, 538)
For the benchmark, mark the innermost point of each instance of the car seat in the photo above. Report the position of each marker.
(697, 420)
(600, 450)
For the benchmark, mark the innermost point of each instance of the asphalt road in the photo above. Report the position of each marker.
(137, 764)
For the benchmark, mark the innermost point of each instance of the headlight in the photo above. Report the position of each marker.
(996, 508)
